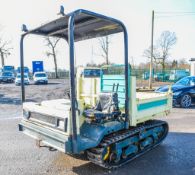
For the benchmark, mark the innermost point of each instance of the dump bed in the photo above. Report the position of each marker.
(150, 105)
(143, 106)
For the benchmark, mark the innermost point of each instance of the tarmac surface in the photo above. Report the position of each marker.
(20, 156)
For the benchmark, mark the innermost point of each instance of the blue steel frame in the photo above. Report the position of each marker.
(72, 72)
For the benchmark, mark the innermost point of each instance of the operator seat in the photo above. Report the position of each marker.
(106, 107)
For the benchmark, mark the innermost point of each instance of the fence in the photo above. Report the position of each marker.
(167, 75)
(61, 74)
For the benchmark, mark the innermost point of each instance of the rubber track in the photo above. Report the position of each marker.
(94, 154)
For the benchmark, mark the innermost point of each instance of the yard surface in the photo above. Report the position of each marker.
(19, 155)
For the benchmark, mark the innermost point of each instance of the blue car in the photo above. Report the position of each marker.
(183, 91)
(7, 77)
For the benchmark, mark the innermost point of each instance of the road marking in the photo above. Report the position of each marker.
(10, 118)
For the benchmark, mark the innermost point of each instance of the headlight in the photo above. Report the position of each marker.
(26, 114)
(177, 93)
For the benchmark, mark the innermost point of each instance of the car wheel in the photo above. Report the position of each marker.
(186, 101)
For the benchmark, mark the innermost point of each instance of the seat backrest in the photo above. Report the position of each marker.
(107, 102)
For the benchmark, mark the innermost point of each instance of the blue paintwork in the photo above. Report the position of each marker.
(91, 134)
(146, 142)
(181, 88)
(145, 138)
(118, 147)
(145, 106)
(144, 135)
(130, 150)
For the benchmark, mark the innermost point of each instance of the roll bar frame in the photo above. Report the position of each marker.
(72, 71)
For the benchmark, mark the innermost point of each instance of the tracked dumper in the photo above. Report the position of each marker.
(104, 116)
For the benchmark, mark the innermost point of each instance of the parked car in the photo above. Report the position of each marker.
(183, 91)
(18, 79)
(40, 78)
(176, 75)
(7, 77)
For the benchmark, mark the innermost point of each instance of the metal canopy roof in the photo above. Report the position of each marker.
(86, 25)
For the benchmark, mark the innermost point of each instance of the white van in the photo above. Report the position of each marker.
(40, 78)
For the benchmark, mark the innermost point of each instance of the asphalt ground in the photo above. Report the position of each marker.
(19, 154)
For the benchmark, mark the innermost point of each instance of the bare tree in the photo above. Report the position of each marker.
(51, 43)
(104, 45)
(165, 43)
(161, 50)
(5, 50)
(156, 55)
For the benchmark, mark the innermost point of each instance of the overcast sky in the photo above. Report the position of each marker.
(136, 15)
